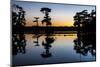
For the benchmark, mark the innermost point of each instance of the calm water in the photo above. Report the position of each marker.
(56, 48)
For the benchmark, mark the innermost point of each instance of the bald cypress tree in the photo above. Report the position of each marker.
(47, 18)
(18, 17)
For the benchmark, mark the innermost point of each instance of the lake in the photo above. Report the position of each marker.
(53, 48)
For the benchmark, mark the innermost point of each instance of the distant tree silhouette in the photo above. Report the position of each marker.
(36, 20)
(47, 18)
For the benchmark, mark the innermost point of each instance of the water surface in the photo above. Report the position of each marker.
(55, 48)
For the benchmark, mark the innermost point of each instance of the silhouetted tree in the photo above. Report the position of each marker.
(85, 22)
(47, 18)
(86, 37)
(36, 20)
(18, 17)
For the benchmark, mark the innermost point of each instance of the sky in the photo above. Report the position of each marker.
(61, 14)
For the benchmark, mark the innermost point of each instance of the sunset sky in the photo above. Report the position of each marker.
(61, 14)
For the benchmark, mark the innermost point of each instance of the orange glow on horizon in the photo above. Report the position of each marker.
(55, 23)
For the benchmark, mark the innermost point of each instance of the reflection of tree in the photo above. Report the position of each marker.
(85, 43)
(47, 18)
(18, 17)
(37, 36)
(47, 45)
(18, 44)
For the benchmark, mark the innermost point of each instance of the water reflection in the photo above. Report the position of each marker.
(84, 43)
(37, 39)
(47, 45)
(18, 44)
(56, 48)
